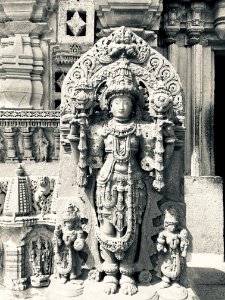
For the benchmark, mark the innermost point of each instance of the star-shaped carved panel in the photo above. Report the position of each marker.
(59, 78)
(76, 24)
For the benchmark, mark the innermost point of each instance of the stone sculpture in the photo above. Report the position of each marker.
(40, 196)
(68, 241)
(122, 138)
(172, 244)
(41, 260)
(41, 145)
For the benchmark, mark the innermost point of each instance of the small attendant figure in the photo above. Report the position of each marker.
(172, 243)
(69, 240)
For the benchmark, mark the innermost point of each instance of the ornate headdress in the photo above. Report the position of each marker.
(121, 81)
(171, 216)
(71, 213)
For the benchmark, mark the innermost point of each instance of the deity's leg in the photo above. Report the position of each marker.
(128, 285)
(110, 266)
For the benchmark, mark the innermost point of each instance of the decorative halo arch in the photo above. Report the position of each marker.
(162, 83)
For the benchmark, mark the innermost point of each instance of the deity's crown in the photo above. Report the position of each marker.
(171, 216)
(121, 81)
(71, 213)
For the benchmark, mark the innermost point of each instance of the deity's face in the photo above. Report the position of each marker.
(68, 225)
(171, 227)
(121, 107)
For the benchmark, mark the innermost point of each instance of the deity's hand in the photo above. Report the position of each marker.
(161, 248)
(78, 244)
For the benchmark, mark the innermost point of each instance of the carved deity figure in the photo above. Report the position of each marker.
(41, 146)
(122, 152)
(121, 99)
(41, 261)
(172, 244)
(69, 240)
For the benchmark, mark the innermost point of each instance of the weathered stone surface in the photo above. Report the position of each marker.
(204, 215)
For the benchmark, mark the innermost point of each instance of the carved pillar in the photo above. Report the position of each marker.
(219, 19)
(37, 87)
(17, 62)
(11, 147)
(197, 99)
(57, 143)
(195, 23)
(14, 266)
(27, 134)
(172, 22)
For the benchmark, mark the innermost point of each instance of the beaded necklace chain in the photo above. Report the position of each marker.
(121, 129)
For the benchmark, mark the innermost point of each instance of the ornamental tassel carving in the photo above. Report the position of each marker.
(158, 183)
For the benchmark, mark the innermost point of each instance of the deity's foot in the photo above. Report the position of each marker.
(128, 285)
(110, 284)
(63, 280)
(176, 284)
(165, 283)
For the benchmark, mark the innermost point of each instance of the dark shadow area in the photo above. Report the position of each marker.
(219, 117)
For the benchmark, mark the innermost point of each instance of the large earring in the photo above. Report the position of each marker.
(110, 115)
(133, 114)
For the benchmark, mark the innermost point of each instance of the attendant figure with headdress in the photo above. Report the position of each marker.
(68, 241)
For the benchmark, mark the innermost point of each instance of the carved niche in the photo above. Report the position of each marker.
(123, 103)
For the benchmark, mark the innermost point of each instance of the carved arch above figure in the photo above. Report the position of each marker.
(151, 70)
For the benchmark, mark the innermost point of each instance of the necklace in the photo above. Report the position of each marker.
(121, 129)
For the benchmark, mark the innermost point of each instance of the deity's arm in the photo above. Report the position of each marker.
(95, 143)
(146, 133)
(161, 241)
(169, 139)
(79, 242)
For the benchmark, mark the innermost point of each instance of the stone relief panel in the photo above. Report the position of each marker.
(39, 256)
(29, 144)
(122, 101)
(42, 194)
